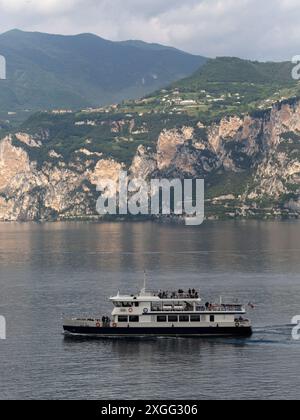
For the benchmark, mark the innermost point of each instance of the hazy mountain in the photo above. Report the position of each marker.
(237, 70)
(49, 71)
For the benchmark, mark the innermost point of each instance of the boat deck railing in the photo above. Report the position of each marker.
(172, 295)
(224, 308)
(211, 308)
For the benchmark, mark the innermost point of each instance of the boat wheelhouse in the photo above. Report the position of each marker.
(163, 313)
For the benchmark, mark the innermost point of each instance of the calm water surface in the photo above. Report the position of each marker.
(71, 268)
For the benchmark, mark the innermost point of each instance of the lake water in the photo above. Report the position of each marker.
(71, 268)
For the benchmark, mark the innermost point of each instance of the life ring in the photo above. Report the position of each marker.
(145, 311)
(114, 325)
(130, 310)
(237, 324)
(98, 325)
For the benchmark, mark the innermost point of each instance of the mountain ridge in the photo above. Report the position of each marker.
(48, 71)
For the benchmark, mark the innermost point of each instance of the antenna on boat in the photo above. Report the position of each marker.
(145, 282)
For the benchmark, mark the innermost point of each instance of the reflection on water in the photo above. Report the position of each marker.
(49, 269)
(213, 246)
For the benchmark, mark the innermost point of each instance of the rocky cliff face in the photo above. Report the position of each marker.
(251, 165)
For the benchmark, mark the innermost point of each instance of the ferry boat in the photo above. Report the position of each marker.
(164, 314)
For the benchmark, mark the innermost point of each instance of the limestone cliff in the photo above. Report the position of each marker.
(251, 165)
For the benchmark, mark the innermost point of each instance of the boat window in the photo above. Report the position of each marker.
(195, 318)
(136, 304)
(212, 318)
(184, 318)
(123, 319)
(134, 318)
(126, 304)
(161, 319)
(156, 306)
(173, 318)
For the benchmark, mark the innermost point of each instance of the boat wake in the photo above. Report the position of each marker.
(273, 334)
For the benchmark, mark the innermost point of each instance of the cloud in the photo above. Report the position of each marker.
(43, 7)
(247, 28)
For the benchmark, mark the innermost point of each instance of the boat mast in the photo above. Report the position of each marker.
(145, 283)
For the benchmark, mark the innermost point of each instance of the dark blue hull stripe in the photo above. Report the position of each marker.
(169, 331)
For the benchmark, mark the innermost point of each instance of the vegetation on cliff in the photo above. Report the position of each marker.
(234, 123)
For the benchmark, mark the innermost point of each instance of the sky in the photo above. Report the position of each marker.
(256, 29)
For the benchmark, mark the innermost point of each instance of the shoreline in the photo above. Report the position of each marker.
(159, 221)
